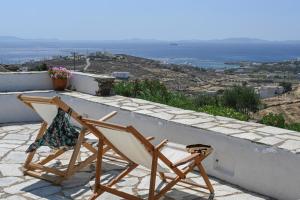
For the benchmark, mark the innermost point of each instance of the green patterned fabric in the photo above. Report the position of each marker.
(60, 134)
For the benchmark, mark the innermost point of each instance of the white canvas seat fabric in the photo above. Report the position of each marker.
(174, 153)
(133, 149)
(46, 111)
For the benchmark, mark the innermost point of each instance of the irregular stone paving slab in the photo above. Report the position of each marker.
(16, 137)
(249, 136)
(8, 146)
(7, 181)
(26, 186)
(185, 117)
(3, 151)
(227, 131)
(14, 197)
(11, 169)
(43, 192)
(193, 121)
(285, 136)
(14, 157)
(165, 116)
(80, 178)
(180, 112)
(270, 140)
(273, 130)
(15, 186)
(290, 145)
(11, 142)
(128, 182)
(206, 125)
(144, 111)
(77, 192)
(237, 126)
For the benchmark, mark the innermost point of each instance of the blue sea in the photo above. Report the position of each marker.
(201, 54)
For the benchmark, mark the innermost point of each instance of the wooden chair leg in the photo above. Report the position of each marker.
(153, 176)
(174, 181)
(98, 191)
(75, 153)
(52, 156)
(168, 187)
(99, 166)
(205, 177)
(31, 154)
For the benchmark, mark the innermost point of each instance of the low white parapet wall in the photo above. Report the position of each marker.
(24, 81)
(88, 83)
(259, 158)
(12, 110)
(29, 81)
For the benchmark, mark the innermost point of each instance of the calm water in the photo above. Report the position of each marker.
(210, 55)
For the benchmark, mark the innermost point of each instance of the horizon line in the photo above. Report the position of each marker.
(228, 39)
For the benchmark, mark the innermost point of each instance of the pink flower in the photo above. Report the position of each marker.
(59, 72)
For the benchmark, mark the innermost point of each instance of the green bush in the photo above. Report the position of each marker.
(287, 86)
(276, 120)
(241, 98)
(153, 90)
(223, 111)
(42, 67)
(124, 89)
(205, 99)
(293, 126)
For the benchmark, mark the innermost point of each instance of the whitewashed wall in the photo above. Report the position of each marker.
(12, 110)
(24, 81)
(86, 83)
(28, 81)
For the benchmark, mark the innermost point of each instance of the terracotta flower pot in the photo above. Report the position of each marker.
(59, 84)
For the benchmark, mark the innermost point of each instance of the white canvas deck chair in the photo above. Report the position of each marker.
(160, 159)
(47, 109)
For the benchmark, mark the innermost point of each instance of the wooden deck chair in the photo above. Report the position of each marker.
(47, 109)
(160, 159)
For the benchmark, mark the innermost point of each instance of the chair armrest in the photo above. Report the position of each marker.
(108, 116)
(186, 160)
(150, 138)
(160, 145)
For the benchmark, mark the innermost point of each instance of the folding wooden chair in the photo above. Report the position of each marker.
(160, 159)
(47, 109)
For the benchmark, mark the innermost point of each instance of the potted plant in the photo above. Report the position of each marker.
(60, 77)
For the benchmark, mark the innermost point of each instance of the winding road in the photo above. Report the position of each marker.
(88, 63)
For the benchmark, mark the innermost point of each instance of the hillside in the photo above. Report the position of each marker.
(3, 69)
(176, 77)
(287, 104)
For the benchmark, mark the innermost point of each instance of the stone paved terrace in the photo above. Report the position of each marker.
(257, 133)
(15, 138)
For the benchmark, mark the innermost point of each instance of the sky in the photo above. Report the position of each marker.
(150, 19)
